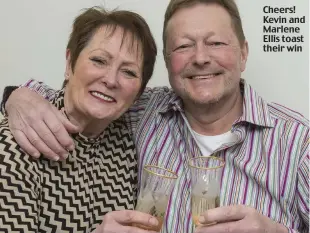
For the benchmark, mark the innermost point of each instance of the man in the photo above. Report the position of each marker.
(211, 110)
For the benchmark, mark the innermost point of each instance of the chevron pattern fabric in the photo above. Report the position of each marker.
(41, 195)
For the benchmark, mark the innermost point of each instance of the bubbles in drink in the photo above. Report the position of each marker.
(206, 187)
(201, 203)
(206, 174)
(154, 204)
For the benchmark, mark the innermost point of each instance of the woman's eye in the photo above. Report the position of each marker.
(130, 73)
(98, 61)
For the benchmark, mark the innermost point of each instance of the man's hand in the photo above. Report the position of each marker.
(121, 221)
(37, 126)
(237, 219)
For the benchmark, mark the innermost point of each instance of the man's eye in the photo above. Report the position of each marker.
(184, 46)
(217, 43)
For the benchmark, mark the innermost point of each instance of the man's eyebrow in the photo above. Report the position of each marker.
(188, 36)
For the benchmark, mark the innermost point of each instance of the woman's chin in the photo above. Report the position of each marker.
(103, 115)
(99, 116)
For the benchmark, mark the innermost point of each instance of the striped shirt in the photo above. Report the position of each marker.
(267, 167)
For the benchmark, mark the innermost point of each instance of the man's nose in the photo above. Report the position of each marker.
(202, 55)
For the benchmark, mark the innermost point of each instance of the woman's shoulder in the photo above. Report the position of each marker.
(119, 133)
(5, 133)
(11, 154)
(58, 100)
(18, 169)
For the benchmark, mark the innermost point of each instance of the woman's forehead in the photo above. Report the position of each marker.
(118, 37)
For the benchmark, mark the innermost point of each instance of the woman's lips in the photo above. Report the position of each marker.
(102, 96)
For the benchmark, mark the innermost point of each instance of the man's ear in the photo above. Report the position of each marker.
(165, 58)
(244, 55)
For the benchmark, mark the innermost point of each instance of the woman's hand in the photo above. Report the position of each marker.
(121, 222)
(37, 126)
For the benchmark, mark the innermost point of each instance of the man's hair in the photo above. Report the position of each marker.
(229, 5)
(92, 19)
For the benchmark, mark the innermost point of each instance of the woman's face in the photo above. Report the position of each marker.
(107, 76)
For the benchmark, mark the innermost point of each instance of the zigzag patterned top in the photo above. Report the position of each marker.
(68, 196)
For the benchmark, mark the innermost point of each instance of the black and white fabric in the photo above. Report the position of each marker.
(66, 196)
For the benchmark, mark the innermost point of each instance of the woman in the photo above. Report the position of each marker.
(110, 58)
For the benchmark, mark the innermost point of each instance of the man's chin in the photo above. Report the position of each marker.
(201, 101)
(205, 102)
(206, 96)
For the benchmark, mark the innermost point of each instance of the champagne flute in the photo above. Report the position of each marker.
(206, 173)
(156, 187)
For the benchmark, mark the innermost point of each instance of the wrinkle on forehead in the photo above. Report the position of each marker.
(204, 24)
(129, 39)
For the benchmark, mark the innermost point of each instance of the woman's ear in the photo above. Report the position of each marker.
(68, 71)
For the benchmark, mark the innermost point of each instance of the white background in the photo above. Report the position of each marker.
(34, 34)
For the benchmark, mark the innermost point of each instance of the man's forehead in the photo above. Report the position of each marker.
(199, 18)
(201, 11)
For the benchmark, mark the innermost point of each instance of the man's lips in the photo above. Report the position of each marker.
(204, 76)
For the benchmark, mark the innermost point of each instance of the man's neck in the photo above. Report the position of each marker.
(216, 118)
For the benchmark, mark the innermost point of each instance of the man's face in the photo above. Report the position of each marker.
(204, 58)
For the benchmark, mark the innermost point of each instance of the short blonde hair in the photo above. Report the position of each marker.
(229, 5)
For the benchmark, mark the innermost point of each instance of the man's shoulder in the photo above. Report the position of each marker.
(158, 91)
(273, 111)
(285, 114)
(156, 96)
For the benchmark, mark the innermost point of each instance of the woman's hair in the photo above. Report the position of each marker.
(92, 19)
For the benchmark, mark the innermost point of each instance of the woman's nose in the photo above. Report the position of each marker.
(110, 78)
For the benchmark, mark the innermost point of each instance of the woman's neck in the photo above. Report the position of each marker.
(88, 126)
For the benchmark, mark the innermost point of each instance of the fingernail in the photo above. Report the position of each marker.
(56, 158)
(201, 219)
(65, 156)
(154, 221)
(36, 155)
(71, 148)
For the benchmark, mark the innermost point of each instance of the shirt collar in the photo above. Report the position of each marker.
(255, 109)
(174, 104)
